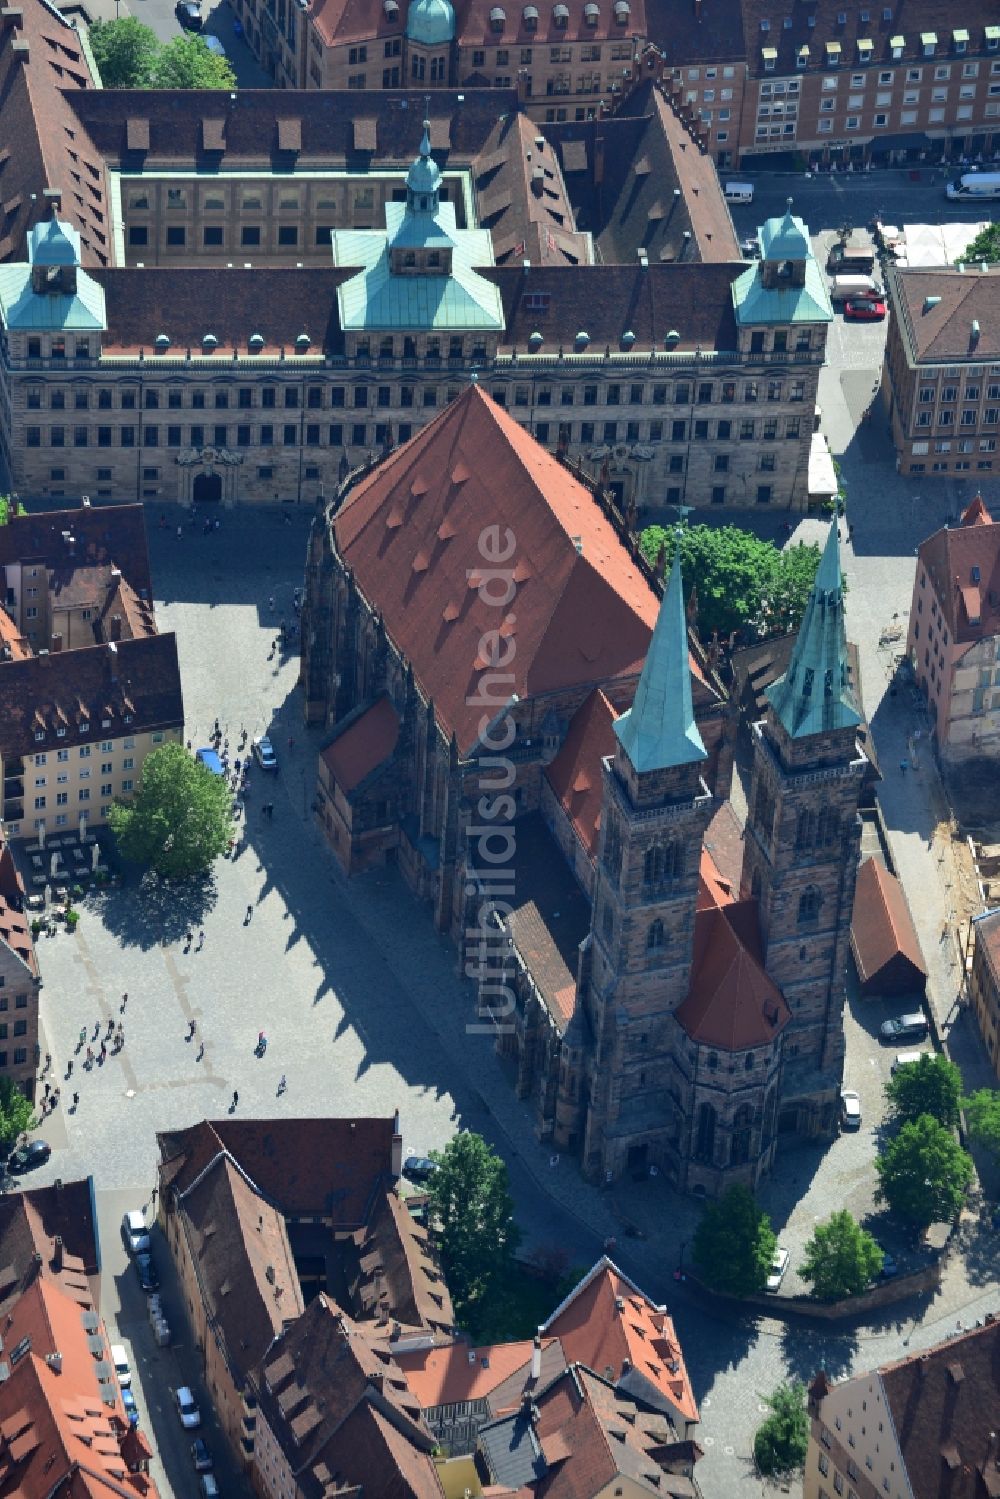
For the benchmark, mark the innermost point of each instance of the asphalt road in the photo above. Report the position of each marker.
(218, 21)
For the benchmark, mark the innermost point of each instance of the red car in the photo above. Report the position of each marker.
(868, 310)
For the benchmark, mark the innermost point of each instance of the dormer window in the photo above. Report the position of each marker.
(591, 14)
(560, 17)
(105, 723)
(39, 735)
(256, 342)
(992, 34)
(85, 728)
(765, 25)
(961, 39)
(928, 42)
(126, 717)
(60, 733)
(161, 343)
(530, 17)
(498, 18)
(302, 343)
(209, 343)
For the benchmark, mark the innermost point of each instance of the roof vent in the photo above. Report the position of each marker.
(974, 332)
(930, 302)
(643, 255)
(578, 543)
(472, 1356)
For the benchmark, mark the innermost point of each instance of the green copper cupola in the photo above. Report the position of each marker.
(816, 694)
(659, 731)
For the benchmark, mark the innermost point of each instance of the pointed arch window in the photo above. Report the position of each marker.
(739, 1145)
(764, 811)
(654, 935)
(809, 903)
(613, 850)
(704, 1146)
(828, 827)
(661, 864)
(805, 828)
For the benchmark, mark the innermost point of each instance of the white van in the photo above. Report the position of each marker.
(851, 288)
(905, 1059)
(738, 192)
(975, 185)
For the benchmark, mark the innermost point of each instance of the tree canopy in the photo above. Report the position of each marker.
(16, 1112)
(741, 583)
(130, 55)
(124, 51)
(841, 1259)
(780, 1443)
(985, 246)
(181, 818)
(474, 1217)
(982, 1116)
(734, 1244)
(923, 1173)
(185, 62)
(932, 1085)
(7, 509)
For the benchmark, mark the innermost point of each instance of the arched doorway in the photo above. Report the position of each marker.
(207, 488)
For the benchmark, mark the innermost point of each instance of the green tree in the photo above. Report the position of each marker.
(734, 1244)
(16, 1113)
(181, 818)
(841, 1259)
(923, 1173)
(474, 1217)
(985, 246)
(982, 1115)
(7, 509)
(185, 62)
(780, 1443)
(742, 583)
(932, 1085)
(125, 51)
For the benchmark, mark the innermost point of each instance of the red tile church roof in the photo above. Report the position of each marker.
(575, 773)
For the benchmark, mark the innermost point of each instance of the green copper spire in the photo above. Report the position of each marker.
(816, 694)
(659, 730)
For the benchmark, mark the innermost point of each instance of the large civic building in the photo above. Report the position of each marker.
(521, 724)
(216, 297)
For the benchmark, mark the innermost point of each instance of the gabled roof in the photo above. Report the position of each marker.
(608, 1323)
(732, 1003)
(575, 773)
(816, 694)
(23, 309)
(970, 605)
(399, 1275)
(307, 1167)
(361, 744)
(242, 1259)
(757, 304)
(937, 306)
(456, 1372)
(658, 732)
(93, 535)
(881, 925)
(581, 610)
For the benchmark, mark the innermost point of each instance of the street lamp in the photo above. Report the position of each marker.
(679, 1272)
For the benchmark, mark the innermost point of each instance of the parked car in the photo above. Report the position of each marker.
(189, 15)
(200, 1456)
(120, 1360)
(135, 1234)
(214, 45)
(889, 1265)
(131, 1409)
(29, 1156)
(146, 1271)
(208, 1487)
(750, 248)
(850, 1109)
(187, 1408)
(911, 1027)
(867, 310)
(779, 1264)
(263, 753)
(419, 1168)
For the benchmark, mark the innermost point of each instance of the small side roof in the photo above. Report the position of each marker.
(881, 926)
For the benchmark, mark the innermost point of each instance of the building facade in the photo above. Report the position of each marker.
(953, 636)
(19, 1048)
(620, 327)
(984, 982)
(942, 368)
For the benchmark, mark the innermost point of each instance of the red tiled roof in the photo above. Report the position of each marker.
(976, 513)
(580, 610)
(328, 1167)
(881, 925)
(362, 745)
(949, 557)
(445, 1376)
(732, 1001)
(575, 773)
(607, 1321)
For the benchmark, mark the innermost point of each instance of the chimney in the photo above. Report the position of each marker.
(54, 1361)
(21, 50)
(396, 1153)
(116, 627)
(643, 258)
(11, 18)
(974, 333)
(536, 1358)
(57, 1252)
(113, 660)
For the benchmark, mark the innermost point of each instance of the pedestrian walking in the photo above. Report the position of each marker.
(124, 1002)
(270, 603)
(48, 1060)
(83, 1038)
(76, 1099)
(200, 1052)
(180, 532)
(90, 1056)
(236, 1098)
(111, 1026)
(192, 1027)
(201, 940)
(249, 916)
(282, 1085)
(97, 1030)
(69, 1068)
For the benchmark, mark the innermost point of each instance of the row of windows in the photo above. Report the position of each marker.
(83, 752)
(213, 236)
(682, 393)
(247, 397)
(20, 1057)
(768, 430)
(62, 797)
(950, 393)
(970, 417)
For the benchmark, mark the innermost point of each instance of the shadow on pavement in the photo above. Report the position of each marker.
(149, 912)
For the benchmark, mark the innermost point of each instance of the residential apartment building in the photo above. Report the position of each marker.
(616, 321)
(942, 368)
(915, 1429)
(20, 982)
(87, 686)
(953, 636)
(984, 982)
